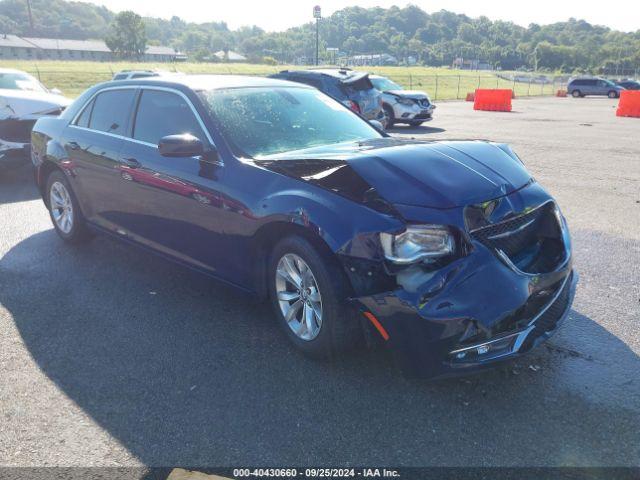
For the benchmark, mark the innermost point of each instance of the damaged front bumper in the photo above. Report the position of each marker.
(496, 302)
(15, 130)
(15, 141)
(14, 153)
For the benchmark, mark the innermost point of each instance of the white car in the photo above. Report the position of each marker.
(403, 106)
(23, 99)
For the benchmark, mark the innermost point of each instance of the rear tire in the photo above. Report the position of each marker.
(576, 94)
(64, 210)
(333, 327)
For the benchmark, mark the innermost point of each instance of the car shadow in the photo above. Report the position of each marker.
(185, 371)
(421, 130)
(17, 184)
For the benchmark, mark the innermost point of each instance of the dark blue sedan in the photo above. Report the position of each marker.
(447, 251)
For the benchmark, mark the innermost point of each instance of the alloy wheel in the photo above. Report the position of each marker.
(299, 296)
(61, 207)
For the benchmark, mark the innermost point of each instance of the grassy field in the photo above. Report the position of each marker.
(441, 83)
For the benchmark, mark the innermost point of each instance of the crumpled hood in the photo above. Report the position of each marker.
(413, 94)
(20, 103)
(437, 174)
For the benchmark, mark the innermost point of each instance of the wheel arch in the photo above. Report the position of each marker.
(46, 168)
(266, 238)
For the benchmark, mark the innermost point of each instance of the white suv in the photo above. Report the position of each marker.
(402, 106)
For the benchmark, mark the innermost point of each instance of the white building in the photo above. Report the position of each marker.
(13, 47)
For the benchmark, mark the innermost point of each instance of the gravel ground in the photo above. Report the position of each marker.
(112, 357)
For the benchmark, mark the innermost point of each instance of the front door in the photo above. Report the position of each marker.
(171, 204)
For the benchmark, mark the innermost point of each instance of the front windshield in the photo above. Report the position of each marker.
(384, 84)
(266, 121)
(20, 81)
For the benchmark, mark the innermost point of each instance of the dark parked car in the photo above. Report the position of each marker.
(354, 89)
(581, 87)
(629, 84)
(448, 251)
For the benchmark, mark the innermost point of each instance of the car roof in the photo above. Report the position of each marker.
(12, 70)
(330, 72)
(208, 82)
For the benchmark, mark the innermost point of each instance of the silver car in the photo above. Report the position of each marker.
(403, 106)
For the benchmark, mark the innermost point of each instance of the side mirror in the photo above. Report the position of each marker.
(376, 124)
(55, 91)
(185, 145)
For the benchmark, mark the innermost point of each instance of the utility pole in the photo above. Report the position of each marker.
(30, 16)
(317, 15)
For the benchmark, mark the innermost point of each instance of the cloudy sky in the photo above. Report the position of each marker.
(280, 14)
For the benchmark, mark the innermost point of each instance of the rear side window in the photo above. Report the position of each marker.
(120, 76)
(111, 110)
(143, 75)
(85, 116)
(164, 113)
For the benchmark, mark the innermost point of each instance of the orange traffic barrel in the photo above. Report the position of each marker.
(629, 104)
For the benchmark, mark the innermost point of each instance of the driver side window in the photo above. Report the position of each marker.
(163, 113)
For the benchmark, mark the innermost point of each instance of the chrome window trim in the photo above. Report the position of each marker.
(143, 87)
(77, 115)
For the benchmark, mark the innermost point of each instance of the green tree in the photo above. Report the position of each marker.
(127, 36)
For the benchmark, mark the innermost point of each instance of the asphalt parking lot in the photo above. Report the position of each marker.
(110, 356)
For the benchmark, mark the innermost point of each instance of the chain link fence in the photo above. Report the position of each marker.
(456, 87)
(439, 87)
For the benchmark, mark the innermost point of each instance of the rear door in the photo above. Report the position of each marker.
(93, 141)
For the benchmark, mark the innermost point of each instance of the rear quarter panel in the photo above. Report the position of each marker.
(45, 146)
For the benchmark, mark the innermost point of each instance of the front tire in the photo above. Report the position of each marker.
(308, 292)
(389, 116)
(576, 94)
(64, 210)
(416, 123)
(612, 94)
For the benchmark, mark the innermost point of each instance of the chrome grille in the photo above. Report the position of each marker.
(514, 235)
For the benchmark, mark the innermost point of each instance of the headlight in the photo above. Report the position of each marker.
(418, 243)
(405, 101)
